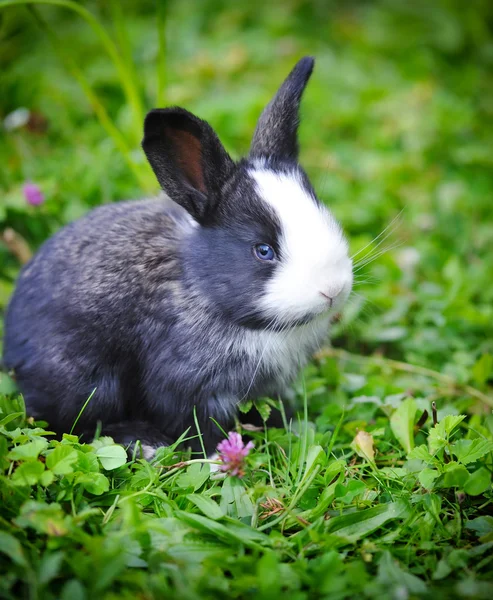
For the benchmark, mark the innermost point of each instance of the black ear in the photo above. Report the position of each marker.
(187, 157)
(276, 133)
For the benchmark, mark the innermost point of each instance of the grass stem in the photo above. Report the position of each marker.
(161, 57)
(100, 111)
(130, 90)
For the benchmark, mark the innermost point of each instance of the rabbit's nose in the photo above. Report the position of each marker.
(330, 299)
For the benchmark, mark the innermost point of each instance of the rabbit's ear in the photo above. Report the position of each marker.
(276, 134)
(187, 157)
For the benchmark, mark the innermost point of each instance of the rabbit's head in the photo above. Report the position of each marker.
(265, 251)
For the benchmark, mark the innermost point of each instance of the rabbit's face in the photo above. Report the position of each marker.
(313, 272)
(271, 255)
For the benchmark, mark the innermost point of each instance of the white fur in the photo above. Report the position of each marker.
(282, 353)
(213, 467)
(285, 352)
(314, 252)
(148, 451)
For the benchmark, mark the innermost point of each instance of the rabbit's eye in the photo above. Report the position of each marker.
(264, 252)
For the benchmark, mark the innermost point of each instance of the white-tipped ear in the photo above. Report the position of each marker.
(276, 134)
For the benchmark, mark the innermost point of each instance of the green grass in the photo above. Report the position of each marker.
(397, 128)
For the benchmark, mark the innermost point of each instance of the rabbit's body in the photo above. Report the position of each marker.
(161, 308)
(150, 347)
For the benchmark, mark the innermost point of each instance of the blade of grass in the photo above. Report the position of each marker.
(124, 44)
(161, 57)
(225, 433)
(269, 460)
(336, 433)
(103, 116)
(299, 493)
(199, 432)
(304, 437)
(130, 90)
(83, 409)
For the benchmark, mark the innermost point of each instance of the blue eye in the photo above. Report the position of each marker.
(264, 252)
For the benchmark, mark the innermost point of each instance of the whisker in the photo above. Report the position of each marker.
(272, 323)
(377, 255)
(368, 303)
(368, 308)
(362, 281)
(374, 257)
(373, 250)
(391, 224)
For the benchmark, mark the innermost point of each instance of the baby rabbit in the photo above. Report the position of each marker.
(212, 295)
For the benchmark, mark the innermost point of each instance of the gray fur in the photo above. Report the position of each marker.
(276, 133)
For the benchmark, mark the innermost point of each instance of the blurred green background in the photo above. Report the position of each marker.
(397, 122)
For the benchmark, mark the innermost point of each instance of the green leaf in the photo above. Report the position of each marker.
(347, 493)
(440, 434)
(325, 499)
(62, 458)
(207, 505)
(483, 526)
(402, 423)
(11, 547)
(421, 453)
(455, 475)
(483, 369)
(333, 470)
(246, 406)
(427, 477)
(472, 587)
(87, 462)
(478, 482)
(450, 423)
(442, 570)
(73, 590)
(268, 575)
(49, 567)
(394, 578)
(44, 518)
(4, 448)
(316, 456)
(468, 451)
(94, 483)
(264, 408)
(47, 478)
(112, 456)
(228, 530)
(10, 417)
(354, 526)
(28, 473)
(234, 499)
(28, 451)
(194, 477)
(433, 505)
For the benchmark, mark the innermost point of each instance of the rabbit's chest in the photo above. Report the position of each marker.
(260, 364)
(275, 358)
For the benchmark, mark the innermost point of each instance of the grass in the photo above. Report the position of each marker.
(362, 496)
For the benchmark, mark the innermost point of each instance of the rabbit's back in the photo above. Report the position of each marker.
(74, 321)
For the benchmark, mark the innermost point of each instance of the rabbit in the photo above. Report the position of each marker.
(180, 307)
